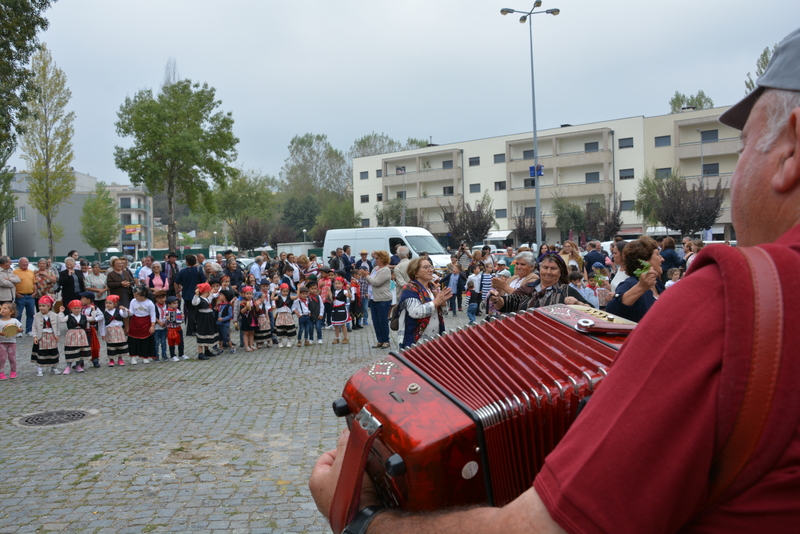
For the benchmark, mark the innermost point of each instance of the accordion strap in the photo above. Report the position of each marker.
(344, 507)
(762, 379)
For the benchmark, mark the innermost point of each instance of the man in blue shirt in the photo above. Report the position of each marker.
(186, 283)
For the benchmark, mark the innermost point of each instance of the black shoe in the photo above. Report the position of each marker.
(95, 363)
(203, 357)
(209, 353)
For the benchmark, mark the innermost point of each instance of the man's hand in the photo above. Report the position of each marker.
(325, 475)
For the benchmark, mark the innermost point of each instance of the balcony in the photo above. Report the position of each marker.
(576, 189)
(563, 160)
(425, 175)
(710, 180)
(133, 206)
(434, 201)
(722, 147)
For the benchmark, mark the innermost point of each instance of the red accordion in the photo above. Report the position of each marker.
(469, 417)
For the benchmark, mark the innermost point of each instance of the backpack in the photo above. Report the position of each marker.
(394, 322)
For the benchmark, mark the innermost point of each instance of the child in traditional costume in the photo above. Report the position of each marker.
(160, 333)
(248, 318)
(339, 317)
(207, 335)
(263, 334)
(141, 343)
(174, 330)
(93, 317)
(8, 344)
(284, 319)
(76, 345)
(112, 330)
(224, 317)
(45, 337)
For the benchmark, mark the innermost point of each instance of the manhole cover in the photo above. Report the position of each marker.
(57, 417)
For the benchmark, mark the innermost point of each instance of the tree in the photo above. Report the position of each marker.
(281, 233)
(339, 215)
(612, 222)
(19, 25)
(698, 101)
(300, 213)
(315, 168)
(688, 211)
(8, 198)
(525, 227)
(595, 216)
(47, 143)
(647, 198)
(100, 226)
(180, 141)
(252, 233)
(467, 223)
(258, 190)
(761, 67)
(569, 216)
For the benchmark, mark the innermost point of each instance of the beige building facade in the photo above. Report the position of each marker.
(587, 164)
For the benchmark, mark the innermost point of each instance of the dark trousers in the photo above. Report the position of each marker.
(304, 326)
(161, 343)
(380, 319)
(458, 297)
(190, 312)
(328, 312)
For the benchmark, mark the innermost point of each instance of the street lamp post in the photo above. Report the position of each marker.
(304, 235)
(526, 17)
(215, 239)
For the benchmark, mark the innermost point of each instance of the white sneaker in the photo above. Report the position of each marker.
(184, 357)
(175, 359)
(319, 342)
(39, 372)
(29, 334)
(54, 371)
(145, 360)
(19, 335)
(133, 361)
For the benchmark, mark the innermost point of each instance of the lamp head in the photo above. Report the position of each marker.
(523, 19)
(537, 3)
(554, 11)
(506, 11)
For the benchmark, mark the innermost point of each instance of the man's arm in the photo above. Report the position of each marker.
(526, 514)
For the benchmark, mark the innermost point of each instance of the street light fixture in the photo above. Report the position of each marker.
(215, 239)
(304, 235)
(526, 17)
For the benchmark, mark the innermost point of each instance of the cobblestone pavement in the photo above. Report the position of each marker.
(224, 445)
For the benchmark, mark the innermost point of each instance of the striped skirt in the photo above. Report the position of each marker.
(116, 342)
(284, 325)
(264, 331)
(76, 345)
(45, 352)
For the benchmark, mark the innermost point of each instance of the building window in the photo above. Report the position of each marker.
(125, 203)
(365, 223)
(500, 186)
(500, 214)
(663, 173)
(499, 158)
(20, 214)
(530, 212)
(529, 183)
(447, 164)
(379, 197)
(126, 218)
(626, 205)
(664, 140)
(474, 188)
(626, 174)
(527, 154)
(709, 136)
(591, 147)
(398, 169)
(474, 162)
(710, 169)
(364, 198)
(401, 194)
(447, 191)
(592, 177)
(626, 142)
(364, 175)
(378, 173)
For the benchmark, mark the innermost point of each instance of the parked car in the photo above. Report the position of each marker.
(245, 263)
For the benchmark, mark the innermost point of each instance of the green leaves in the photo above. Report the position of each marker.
(697, 101)
(645, 266)
(100, 226)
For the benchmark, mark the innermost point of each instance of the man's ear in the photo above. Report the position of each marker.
(789, 176)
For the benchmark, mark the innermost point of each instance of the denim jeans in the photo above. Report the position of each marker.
(161, 343)
(471, 310)
(28, 304)
(380, 319)
(224, 330)
(317, 324)
(365, 311)
(453, 305)
(304, 326)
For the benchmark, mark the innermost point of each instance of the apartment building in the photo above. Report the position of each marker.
(587, 164)
(135, 216)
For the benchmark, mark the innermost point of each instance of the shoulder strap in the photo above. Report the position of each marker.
(743, 458)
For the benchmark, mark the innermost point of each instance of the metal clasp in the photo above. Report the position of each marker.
(367, 421)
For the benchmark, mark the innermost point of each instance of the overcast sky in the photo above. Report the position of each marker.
(447, 70)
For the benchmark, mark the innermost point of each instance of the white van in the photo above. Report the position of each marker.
(416, 239)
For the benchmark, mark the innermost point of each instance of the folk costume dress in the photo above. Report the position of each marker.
(141, 342)
(113, 328)
(45, 330)
(93, 317)
(284, 318)
(248, 315)
(339, 315)
(76, 344)
(264, 331)
(206, 322)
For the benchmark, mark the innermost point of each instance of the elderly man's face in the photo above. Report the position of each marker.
(147, 262)
(752, 196)
(23, 264)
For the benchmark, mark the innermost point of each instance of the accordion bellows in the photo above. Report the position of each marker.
(469, 417)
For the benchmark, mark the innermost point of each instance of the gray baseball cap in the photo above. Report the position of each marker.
(783, 72)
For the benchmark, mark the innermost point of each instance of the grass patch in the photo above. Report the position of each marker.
(150, 527)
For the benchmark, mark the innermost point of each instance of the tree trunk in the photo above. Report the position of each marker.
(172, 226)
(51, 248)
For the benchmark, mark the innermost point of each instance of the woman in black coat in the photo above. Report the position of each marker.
(236, 275)
(671, 258)
(71, 282)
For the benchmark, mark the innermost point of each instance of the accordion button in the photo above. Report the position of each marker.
(395, 466)
(340, 407)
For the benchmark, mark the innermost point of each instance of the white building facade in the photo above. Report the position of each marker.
(586, 164)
